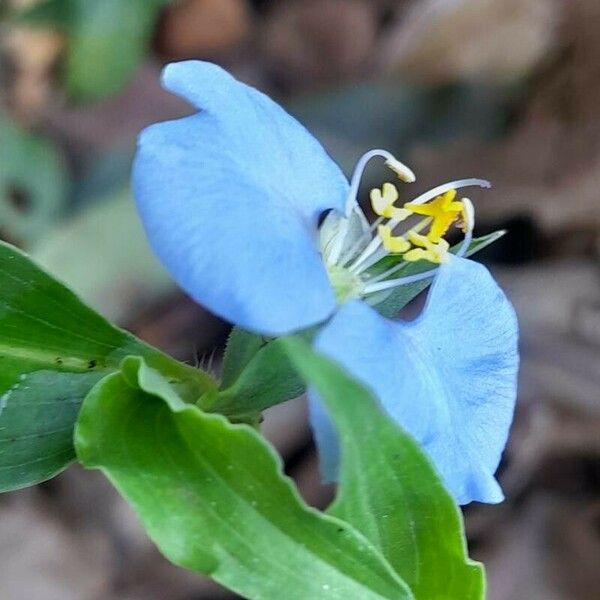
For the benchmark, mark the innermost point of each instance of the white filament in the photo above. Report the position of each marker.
(390, 283)
(446, 187)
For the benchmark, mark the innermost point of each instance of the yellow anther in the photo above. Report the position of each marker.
(382, 201)
(444, 210)
(426, 249)
(393, 244)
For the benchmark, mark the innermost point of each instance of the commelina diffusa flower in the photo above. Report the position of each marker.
(233, 199)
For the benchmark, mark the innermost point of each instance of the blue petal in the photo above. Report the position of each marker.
(448, 377)
(230, 198)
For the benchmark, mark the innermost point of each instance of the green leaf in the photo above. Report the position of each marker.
(392, 302)
(213, 498)
(389, 490)
(106, 40)
(33, 183)
(53, 349)
(268, 378)
(239, 351)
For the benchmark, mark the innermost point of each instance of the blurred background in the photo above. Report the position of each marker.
(507, 90)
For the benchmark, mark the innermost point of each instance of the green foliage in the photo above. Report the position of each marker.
(265, 376)
(241, 347)
(389, 491)
(52, 351)
(106, 40)
(33, 183)
(213, 497)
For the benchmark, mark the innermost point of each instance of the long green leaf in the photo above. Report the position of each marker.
(53, 349)
(389, 490)
(213, 497)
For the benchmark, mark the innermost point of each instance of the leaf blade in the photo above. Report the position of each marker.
(213, 497)
(51, 345)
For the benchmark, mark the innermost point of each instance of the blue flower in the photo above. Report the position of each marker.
(257, 223)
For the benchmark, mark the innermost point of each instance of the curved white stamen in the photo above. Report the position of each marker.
(390, 283)
(469, 213)
(376, 223)
(446, 187)
(349, 255)
(359, 264)
(351, 202)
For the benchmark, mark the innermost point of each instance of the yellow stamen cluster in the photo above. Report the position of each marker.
(440, 213)
(444, 210)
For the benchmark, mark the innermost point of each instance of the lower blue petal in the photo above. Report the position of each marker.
(449, 377)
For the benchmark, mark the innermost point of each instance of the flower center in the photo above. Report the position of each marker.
(363, 259)
(345, 284)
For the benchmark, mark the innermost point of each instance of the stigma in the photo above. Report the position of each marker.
(364, 258)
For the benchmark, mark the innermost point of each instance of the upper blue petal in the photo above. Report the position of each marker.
(449, 377)
(230, 198)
